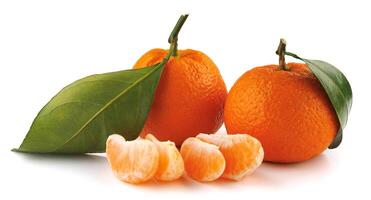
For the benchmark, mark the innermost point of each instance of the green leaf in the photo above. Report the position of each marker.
(337, 88)
(82, 115)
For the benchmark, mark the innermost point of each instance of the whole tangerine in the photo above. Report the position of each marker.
(286, 108)
(189, 98)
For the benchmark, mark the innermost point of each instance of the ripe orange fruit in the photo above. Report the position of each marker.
(189, 98)
(243, 154)
(287, 110)
(170, 166)
(202, 161)
(132, 161)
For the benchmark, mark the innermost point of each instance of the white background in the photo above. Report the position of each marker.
(45, 45)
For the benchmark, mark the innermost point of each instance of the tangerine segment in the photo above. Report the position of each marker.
(171, 165)
(202, 161)
(243, 153)
(132, 161)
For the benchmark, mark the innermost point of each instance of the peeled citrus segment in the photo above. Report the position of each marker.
(171, 165)
(242, 153)
(132, 161)
(202, 161)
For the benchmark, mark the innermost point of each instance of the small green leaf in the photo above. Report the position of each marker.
(337, 88)
(82, 115)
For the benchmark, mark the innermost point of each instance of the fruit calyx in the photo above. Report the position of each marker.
(281, 51)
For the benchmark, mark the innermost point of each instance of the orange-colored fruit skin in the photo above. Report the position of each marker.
(189, 98)
(288, 111)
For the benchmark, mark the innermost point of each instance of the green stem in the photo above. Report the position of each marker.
(173, 38)
(170, 53)
(281, 51)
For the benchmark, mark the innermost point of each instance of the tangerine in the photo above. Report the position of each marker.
(285, 108)
(189, 98)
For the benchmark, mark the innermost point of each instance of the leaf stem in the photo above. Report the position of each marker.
(173, 38)
(292, 55)
(281, 51)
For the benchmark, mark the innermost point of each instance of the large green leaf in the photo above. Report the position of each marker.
(82, 115)
(337, 88)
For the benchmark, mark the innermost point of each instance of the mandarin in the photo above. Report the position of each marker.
(286, 108)
(189, 98)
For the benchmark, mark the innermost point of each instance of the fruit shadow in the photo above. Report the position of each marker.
(279, 174)
(268, 175)
(183, 183)
(91, 166)
(274, 175)
(95, 166)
